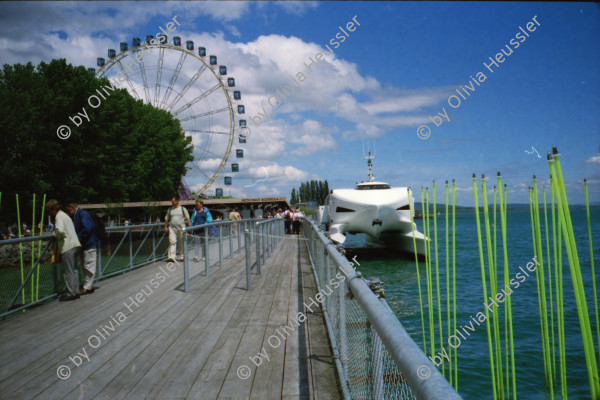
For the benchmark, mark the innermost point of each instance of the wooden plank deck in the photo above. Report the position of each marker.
(140, 337)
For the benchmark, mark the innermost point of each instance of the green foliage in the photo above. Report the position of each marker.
(128, 151)
(310, 191)
(308, 211)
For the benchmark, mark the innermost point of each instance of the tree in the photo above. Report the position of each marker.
(294, 197)
(127, 151)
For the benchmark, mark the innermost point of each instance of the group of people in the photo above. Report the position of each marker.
(11, 231)
(292, 220)
(178, 217)
(75, 239)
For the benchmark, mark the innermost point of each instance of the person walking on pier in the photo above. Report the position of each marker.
(200, 216)
(84, 226)
(68, 246)
(234, 216)
(175, 222)
(296, 220)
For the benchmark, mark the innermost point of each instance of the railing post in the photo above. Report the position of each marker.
(220, 246)
(239, 236)
(206, 254)
(153, 245)
(230, 226)
(248, 266)
(186, 271)
(99, 266)
(257, 239)
(264, 245)
(130, 248)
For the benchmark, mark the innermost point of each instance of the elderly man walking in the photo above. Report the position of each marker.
(175, 221)
(68, 245)
(84, 226)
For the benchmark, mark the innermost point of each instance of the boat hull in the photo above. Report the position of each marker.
(375, 213)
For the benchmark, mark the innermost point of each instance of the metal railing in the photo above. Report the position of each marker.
(375, 357)
(126, 248)
(229, 238)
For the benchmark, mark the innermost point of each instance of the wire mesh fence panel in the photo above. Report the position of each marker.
(368, 370)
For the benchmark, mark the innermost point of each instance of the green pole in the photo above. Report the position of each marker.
(425, 245)
(508, 310)
(567, 229)
(454, 279)
(556, 240)
(20, 250)
(587, 210)
(437, 278)
(493, 288)
(430, 278)
(537, 280)
(553, 365)
(32, 245)
(448, 285)
(484, 284)
(412, 224)
(37, 283)
(540, 268)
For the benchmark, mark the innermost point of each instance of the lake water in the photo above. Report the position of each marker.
(474, 376)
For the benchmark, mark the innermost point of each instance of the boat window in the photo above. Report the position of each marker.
(372, 187)
(343, 209)
(403, 208)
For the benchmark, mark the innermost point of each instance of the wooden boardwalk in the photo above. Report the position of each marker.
(140, 337)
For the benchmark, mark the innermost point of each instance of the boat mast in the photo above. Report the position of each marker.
(370, 164)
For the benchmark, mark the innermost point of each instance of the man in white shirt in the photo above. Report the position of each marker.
(69, 246)
(175, 221)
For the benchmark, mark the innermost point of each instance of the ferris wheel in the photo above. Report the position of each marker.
(196, 90)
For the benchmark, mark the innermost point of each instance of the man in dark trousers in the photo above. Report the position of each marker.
(84, 226)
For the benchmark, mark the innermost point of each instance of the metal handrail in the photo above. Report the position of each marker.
(406, 354)
(269, 229)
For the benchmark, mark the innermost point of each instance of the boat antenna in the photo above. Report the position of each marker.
(370, 164)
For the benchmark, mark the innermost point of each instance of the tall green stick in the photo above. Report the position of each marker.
(537, 280)
(20, 249)
(553, 348)
(587, 210)
(493, 288)
(412, 224)
(574, 266)
(437, 277)
(454, 279)
(556, 239)
(484, 285)
(508, 308)
(37, 283)
(429, 277)
(32, 246)
(448, 285)
(540, 273)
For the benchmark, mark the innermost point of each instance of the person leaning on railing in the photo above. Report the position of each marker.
(84, 226)
(68, 245)
(175, 222)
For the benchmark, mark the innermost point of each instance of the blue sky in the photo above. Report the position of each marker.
(387, 78)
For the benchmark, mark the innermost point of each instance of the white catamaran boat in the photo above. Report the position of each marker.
(376, 209)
